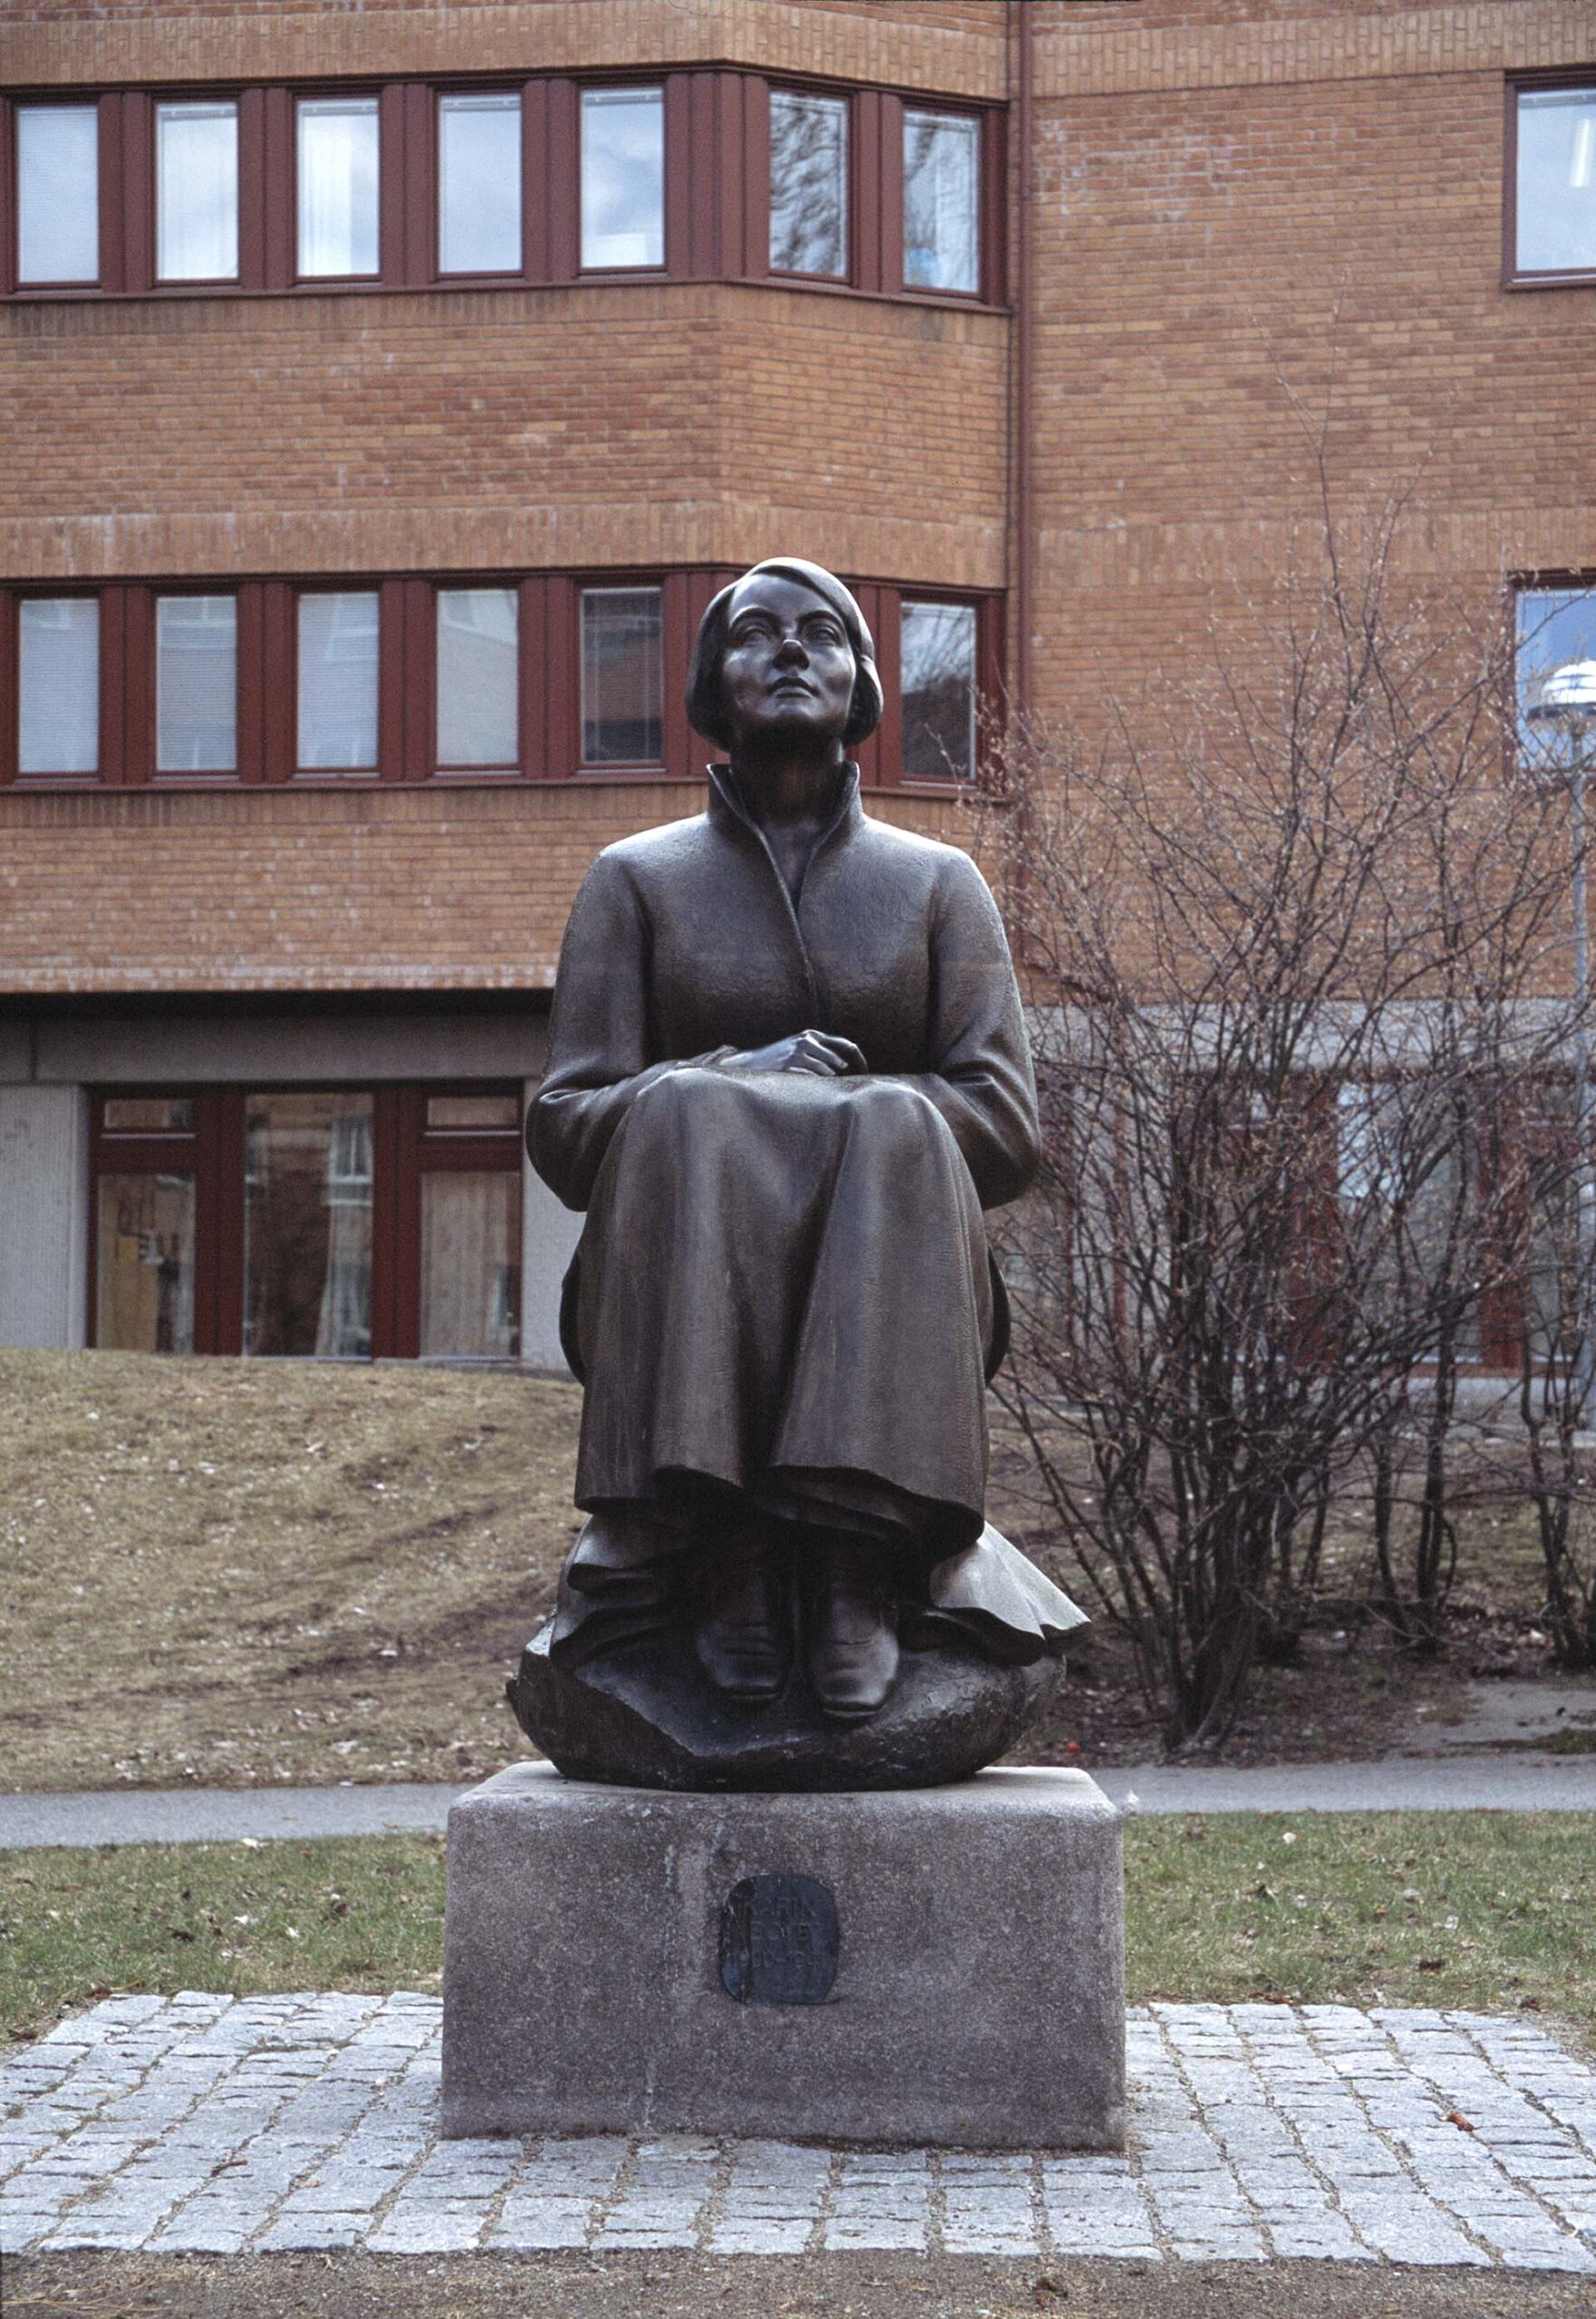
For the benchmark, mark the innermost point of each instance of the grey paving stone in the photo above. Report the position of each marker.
(213, 2125)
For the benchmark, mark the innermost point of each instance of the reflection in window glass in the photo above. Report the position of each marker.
(1555, 626)
(808, 183)
(1405, 1193)
(307, 1225)
(144, 1264)
(149, 1115)
(338, 172)
(941, 201)
(338, 643)
(1557, 180)
(938, 651)
(479, 183)
(196, 684)
(621, 676)
(622, 177)
(59, 683)
(478, 667)
(471, 1263)
(57, 193)
(197, 192)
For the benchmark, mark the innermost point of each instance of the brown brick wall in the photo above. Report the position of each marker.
(415, 890)
(587, 426)
(1334, 205)
(1224, 188)
(951, 45)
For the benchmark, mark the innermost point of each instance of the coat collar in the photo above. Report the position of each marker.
(727, 810)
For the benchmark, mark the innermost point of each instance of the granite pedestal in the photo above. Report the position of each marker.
(936, 1965)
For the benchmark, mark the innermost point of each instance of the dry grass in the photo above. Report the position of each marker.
(240, 1571)
(235, 1572)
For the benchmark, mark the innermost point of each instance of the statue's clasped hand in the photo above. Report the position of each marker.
(821, 1052)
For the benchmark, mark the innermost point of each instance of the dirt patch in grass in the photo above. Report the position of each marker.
(1489, 1911)
(235, 1572)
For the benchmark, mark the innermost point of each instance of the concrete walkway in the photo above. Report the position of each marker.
(209, 2125)
(228, 1814)
(1504, 1782)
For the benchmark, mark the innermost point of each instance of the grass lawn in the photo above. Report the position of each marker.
(1491, 1911)
(232, 1571)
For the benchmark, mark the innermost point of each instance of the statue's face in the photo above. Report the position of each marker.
(787, 666)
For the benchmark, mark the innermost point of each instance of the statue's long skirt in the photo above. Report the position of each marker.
(783, 1297)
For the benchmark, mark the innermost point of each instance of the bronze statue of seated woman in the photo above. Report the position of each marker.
(788, 1071)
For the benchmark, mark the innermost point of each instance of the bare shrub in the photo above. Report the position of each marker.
(1294, 952)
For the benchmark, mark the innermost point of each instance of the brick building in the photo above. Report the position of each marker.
(388, 389)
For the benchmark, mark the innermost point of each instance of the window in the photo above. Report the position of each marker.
(337, 175)
(479, 183)
(941, 201)
(1407, 1192)
(807, 184)
(535, 677)
(338, 646)
(621, 691)
(307, 1225)
(341, 1224)
(938, 660)
(622, 178)
(144, 1273)
(197, 192)
(478, 662)
(1555, 626)
(196, 684)
(57, 193)
(58, 683)
(1554, 181)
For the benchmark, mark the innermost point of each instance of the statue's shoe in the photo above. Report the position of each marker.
(744, 1638)
(852, 1640)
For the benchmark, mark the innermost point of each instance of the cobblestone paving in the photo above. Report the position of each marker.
(215, 2125)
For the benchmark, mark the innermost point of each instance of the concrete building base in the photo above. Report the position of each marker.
(938, 1967)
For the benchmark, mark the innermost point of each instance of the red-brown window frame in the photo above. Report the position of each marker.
(717, 185)
(550, 678)
(214, 1153)
(1557, 581)
(1514, 277)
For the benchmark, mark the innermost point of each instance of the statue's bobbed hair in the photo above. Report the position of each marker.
(707, 706)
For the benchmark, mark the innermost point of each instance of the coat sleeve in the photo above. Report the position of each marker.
(980, 1079)
(598, 1034)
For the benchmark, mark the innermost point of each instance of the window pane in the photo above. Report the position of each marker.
(144, 1265)
(808, 183)
(477, 668)
(938, 692)
(1406, 1190)
(473, 1114)
(59, 682)
(338, 167)
(1555, 626)
(1556, 179)
(471, 1263)
(621, 676)
(622, 177)
(307, 1225)
(941, 201)
(338, 637)
(149, 1115)
(196, 684)
(197, 192)
(479, 183)
(57, 193)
